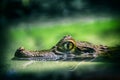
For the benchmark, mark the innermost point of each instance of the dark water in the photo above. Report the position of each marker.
(84, 71)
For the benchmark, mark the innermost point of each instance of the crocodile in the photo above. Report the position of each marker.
(66, 48)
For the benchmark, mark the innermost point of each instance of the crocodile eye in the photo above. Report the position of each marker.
(65, 45)
(68, 46)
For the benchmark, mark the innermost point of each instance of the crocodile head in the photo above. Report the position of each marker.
(68, 46)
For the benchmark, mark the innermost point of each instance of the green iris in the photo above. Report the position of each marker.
(67, 46)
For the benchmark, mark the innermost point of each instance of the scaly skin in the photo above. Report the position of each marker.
(66, 47)
(21, 53)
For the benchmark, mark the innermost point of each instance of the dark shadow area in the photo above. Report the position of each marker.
(108, 71)
(16, 10)
(104, 6)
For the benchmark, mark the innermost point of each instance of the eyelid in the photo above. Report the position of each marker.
(72, 41)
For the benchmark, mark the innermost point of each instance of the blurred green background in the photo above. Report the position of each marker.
(40, 24)
(39, 36)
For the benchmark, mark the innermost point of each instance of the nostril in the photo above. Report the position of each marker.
(19, 52)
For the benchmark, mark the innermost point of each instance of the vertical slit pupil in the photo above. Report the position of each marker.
(68, 45)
